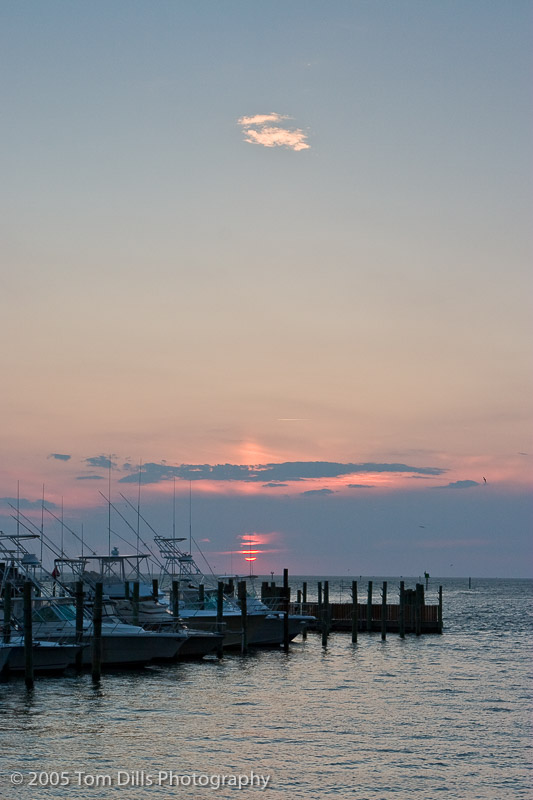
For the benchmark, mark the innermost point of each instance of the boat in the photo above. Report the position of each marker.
(48, 657)
(120, 576)
(197, 601)
(54, 618)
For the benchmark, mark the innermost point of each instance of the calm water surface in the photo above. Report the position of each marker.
(438, 716)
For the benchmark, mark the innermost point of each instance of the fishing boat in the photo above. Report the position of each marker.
(47, 657)
(133, 599)
(54, 618)
(198, 594)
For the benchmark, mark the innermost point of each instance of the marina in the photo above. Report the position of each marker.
(115, 617)
(409, 717)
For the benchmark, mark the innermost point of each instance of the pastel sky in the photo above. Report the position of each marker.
(281, 253)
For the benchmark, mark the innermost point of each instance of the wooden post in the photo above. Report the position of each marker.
(80, 596)
(325, 615)
(469, 583)
(220, 613)
(319, 600)
(439, 612)
(201, 596)
(369, 608)
(7, 612)
(384, 612)
(220, 602)
(127, 590)
(176, 598)
(354, 611)
(418, 609)
(135, 609)
(304, 602)
(299, 598)
(97, 633)
(286, 597)
(241, 594)
(28, 636)
(401, 621)
(155, 589)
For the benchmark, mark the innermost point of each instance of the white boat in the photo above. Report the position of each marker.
(54, 619)
(47, 656)
(118, 575)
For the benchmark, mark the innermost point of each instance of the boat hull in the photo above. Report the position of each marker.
(122, 649)
(48, 657)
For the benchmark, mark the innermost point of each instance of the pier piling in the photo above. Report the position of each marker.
(241, 595)
(80, 596)
(175, 598)
(286, 598)
(304, 601)
(135, 617)
(418, 608)
(384, 612)
(28, 636)
(369, 608)
(325, 615)
(220, 613)
(97, 633)
(7, 612)
(354, 611)
(401, 618)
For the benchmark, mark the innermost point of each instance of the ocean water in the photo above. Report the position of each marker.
(430, 717)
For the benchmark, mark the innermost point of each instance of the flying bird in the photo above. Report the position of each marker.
(485, 479)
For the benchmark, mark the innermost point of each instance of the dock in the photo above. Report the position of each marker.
(410, 615)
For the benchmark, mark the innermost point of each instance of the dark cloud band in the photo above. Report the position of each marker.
(266, 473)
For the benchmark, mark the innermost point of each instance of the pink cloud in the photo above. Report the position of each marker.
(278, 137)
(258, 131)
(261, 119)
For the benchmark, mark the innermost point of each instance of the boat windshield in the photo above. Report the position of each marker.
(54, 613)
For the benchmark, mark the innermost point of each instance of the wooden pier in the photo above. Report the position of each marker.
(411, 615)
(341, 617)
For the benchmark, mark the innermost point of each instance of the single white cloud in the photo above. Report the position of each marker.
(261, 119)
(277, 137)
(257, 130)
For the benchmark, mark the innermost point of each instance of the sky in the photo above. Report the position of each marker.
(275, 258)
